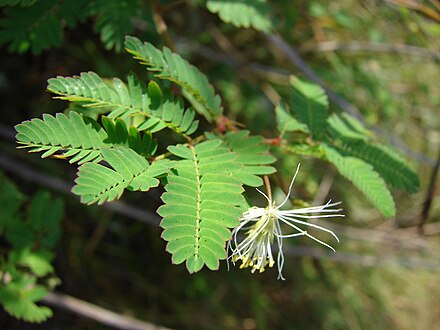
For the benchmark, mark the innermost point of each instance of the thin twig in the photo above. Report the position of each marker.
(417, 6)
(363, 259)
(324, 187)
(429, 195)
(356, 46)
(268, 189)
(161, 26)
(297, 60)
(99, 314)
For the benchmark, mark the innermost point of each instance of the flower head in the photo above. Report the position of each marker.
(262, 227)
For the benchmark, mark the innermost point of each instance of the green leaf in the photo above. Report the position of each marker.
(172, 67)
(45, 213)
(201, 201)
(22, 3)
(38, 25)
(242, 13)
(37, 261)
(114, 20)
(94, 92)
(347, 128)
(158, 111)
(170, 114)
(352, 139)
(119, 135)
(70, 135)
(388, 163)
(310, 105)
(10, 200)
(79, 137)
(364, 178)
(286, 122)
(20, 234)
(253, 154)
(97, 183)
(19, 299)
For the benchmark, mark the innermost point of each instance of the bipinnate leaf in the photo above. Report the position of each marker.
(363, 176)
(310, 105)
(97, 183)
(201, 203)
(242, 13)
(170, 66)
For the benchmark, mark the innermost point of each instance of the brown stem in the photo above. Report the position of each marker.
(268, 190)
(161, 26)
(429, 195)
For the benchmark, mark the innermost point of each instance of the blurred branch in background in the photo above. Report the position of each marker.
(430, 193)
(96, 313)
(431, 13)
(359, 46)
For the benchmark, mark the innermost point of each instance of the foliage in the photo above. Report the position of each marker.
(98, 183)
(115, 156)
(243, 13)
(172, 67)
(341, 140)
(201, 201)
(38, 25)
(176, 133)
(27, 262)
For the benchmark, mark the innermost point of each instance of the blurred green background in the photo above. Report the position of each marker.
(381, 56)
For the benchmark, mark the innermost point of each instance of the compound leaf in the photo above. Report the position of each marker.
(170, 66)
(79, 137)
(310, 105)
(364, 178)
(253, 154)
(389, 164)
(38, 25)
(114, 20)
(242, 13)
(201, 203)
(170, 113)
(94, 92)
(97, 183)
(19, 300)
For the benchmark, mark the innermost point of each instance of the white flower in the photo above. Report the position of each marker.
(262, 226)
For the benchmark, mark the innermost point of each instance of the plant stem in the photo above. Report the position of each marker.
(268, 190)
